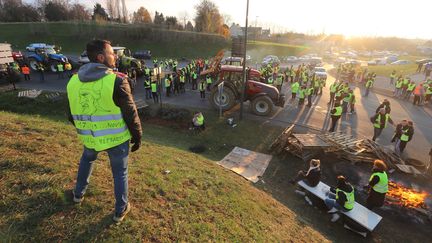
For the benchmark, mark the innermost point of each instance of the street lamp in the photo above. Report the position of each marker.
(244, 62)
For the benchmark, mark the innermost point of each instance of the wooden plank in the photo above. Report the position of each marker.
(311, 140)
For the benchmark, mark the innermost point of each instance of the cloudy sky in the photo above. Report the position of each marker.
(351, 18)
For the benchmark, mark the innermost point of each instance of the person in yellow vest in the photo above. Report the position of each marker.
(369, 84)
(198, 121)
(309, 94)
(147, 87)
(378, 185)
(333, 89)
(403, 134)
(202, 89)
(380, 121)
(182, 81)
(26, 71)
(60, 70)
(208, 82)
(428, 92)
(167, 85)
(340, 198)
(392, 77)
(302, 92)
(410, 89)
(103, 111)
(279, 81)
(335, 115)
(270, 79)
(154, 91)
(294, 89)
(398, 87)
(68, 68)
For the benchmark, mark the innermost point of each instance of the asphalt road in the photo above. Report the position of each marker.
(316, 116)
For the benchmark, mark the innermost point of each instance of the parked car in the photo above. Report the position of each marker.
(270, 59)
(423, 61)
(401, 62)
(375, 62)
(316, 61)
(34, 46)
(83, 58)
(290, 59)
(142, 54)
(320, 72)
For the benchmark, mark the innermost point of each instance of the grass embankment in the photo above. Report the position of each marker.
(386, 70)
(72, 37)
(259, 49)
(198, 201)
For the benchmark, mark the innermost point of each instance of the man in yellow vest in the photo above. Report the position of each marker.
(202, 89)
(335, 114)
(168, 85)
(154, 90)
(378, 185)
(60, 70)
(380, 121)
(147, 87)
(103, 111)
(403, 134)
(208, 82)
(198, 121)
(340, 198)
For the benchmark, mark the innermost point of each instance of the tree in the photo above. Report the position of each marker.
(79, 12)
(224, 30)
(142, 15)
(99, 13)
(16, 11)
(208, 18)
(189, 26)
(184, 16)
(159, 18)
(171, 21)
(55, 11)
(111, 9)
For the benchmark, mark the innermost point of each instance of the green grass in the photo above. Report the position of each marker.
(386, 70)
(259, 49)
(72, 37)
(198, 201)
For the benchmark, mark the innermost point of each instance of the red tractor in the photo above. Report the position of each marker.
(263, 97)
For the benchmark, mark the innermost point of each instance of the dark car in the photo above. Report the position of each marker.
(142, 54)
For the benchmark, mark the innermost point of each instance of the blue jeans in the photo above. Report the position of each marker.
(119, 166)
(330, 202)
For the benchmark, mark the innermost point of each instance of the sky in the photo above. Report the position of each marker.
(400, 18)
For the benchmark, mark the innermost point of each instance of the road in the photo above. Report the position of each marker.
(316, 116)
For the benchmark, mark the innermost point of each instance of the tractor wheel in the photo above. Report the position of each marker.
(227, 99)
(53, 66)
(33, 63)
(262, 106)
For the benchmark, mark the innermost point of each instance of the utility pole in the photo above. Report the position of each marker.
(244, 62)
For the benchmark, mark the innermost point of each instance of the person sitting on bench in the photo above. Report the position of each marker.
(340, 198)
(378, 185)
(198, 121)
(312, 176)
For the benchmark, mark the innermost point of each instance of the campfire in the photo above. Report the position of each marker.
(406, 197)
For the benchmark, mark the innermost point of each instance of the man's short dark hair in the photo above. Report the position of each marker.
(96, 47)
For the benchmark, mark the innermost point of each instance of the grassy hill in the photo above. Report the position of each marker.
(197, 201)
(72, 37)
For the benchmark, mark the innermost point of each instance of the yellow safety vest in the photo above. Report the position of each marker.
(98, 120)
(349, 203)
(382, 185)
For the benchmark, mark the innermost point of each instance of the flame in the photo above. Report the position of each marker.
(406, 197)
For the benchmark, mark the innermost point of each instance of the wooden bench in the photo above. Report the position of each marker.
(359, 214)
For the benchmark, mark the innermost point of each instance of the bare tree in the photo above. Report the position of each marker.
(111, 8)
(184, 16)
